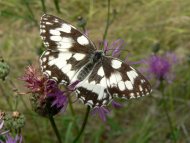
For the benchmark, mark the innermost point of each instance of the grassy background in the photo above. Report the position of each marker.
(142, 24)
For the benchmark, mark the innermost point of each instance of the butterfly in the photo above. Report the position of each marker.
(70, 56)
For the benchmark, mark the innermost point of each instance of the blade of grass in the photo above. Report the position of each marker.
(56, 3)
(43, 6)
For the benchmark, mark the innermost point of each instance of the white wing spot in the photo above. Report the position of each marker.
(64, 44)
(55, 78)
(116, 64)
(103, 82)
(48, 72)
(42, 30)
(60, 61)
(121, 85)
(140, 88)
(47, 53)
(70, 74)
(55, 38)
(90, 102)
(64, 28)
(48, 23)
(56, 20)
(54, 32)
(82, 40)
(44, 59)
(44, 18)
(42, 26)
(132, 75)
(118, 76)
(92, 82)
(132, 95)
(79, 56)
(128, 85)
(101, 72)
(112, 80)
(67, 68)
(142, 80)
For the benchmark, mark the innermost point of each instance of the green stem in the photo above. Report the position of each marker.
(107, 22)
(73, 113)
(43, 6)
(51, 119)
(83, 125)
(167, 112)
(56, 3)
(30, 11)
(6, 97)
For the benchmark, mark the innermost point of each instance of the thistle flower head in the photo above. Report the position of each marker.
(34, 81)
(102, 112)
(46, 95)
(160, 66)
(114, 49)
(10, 139)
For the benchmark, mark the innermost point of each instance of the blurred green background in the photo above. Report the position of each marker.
(142, 24)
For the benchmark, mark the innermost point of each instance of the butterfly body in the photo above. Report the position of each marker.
(71, 56)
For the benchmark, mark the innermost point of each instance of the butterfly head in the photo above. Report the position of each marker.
(97, 55)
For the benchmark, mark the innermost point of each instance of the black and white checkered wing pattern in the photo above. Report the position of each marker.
(124, 81)
(68, 50)
(59, 35)
(93, 90)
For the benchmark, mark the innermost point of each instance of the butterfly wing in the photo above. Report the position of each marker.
(59, 35)
(93, 90)
(112, 78)
(68, 50)
(123, 80)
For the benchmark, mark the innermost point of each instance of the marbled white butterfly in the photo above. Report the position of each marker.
(71, 56)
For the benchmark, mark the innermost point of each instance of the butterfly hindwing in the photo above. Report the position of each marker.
(93, 90)
(124, 81)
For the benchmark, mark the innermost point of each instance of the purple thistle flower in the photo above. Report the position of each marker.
(9, 139)
(34, 82)
(102, 112)
(116, 104)
(59, 99)
(115, 48)
(160, 67)
(47, 89)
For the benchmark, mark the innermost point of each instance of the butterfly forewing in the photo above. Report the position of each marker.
(58, 34)
(68, 50)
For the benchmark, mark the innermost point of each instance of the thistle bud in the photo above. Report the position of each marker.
(4, 69)
(14, 121)
(81, 22)
(156, 47)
